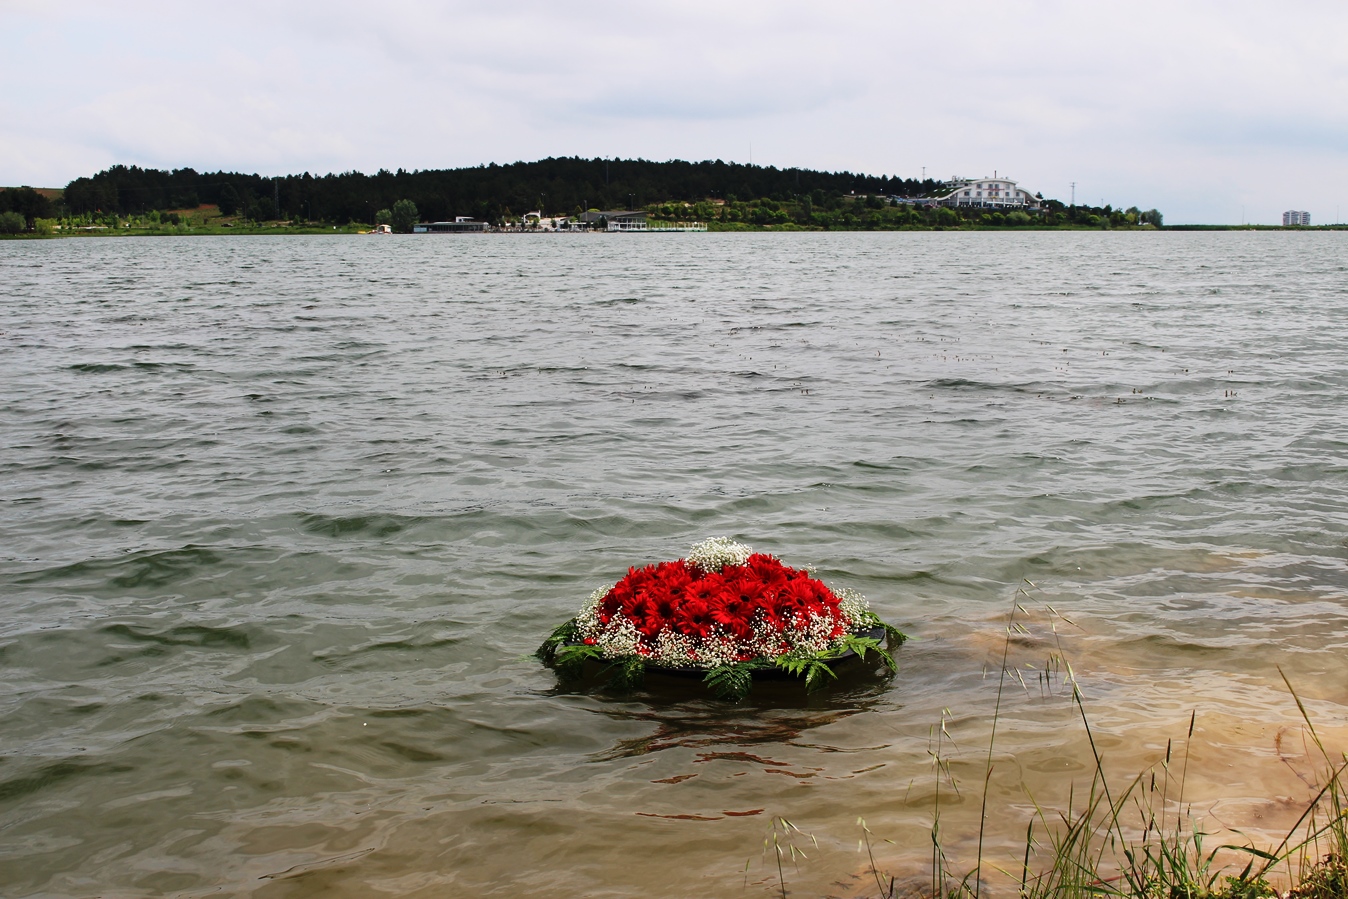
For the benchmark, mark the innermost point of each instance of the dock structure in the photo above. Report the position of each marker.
(632, 220)
(589, 222)
(677, 226)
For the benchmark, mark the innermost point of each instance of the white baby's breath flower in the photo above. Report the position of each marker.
(588, 618)
(715, 553)
(620, 639)
(854, 607)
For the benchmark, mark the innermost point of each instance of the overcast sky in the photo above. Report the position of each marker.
(1205, 110)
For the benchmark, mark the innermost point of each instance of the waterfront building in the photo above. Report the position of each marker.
(616, 219)
(1296, 217)
(460, 225)
(993, 193)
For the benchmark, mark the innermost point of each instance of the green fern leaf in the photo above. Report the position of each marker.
(863, 645)
(731, 682)
(628, 674)
(816, 675)
(894, 638)
(547, 652)
(569, 661)
(815, 670)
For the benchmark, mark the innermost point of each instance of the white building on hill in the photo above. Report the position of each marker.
(994, 192)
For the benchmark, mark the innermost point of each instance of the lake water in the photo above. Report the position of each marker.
(283, 519)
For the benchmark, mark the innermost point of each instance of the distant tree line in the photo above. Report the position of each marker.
(20, 207)
(728, 195)
(491, 193)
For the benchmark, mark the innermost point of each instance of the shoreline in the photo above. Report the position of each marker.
(344, 231)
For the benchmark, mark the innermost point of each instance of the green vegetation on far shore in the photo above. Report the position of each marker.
(822, 212)
(202, 220)
(726, 196)
(752, 216)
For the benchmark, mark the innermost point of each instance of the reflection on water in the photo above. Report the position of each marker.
(282, 519)
(752, 723)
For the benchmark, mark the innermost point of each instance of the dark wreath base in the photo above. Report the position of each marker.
(843, 661)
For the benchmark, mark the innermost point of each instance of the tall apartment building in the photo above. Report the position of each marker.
(1295, 217)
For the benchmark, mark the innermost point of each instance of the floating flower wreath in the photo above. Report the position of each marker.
(725, 610)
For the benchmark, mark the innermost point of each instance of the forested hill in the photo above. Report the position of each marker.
(562, 185)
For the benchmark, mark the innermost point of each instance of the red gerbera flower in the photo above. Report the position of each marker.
(767, 570)
(696, 619)
(707, 587)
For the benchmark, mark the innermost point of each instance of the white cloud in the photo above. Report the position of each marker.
(1197, 108)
